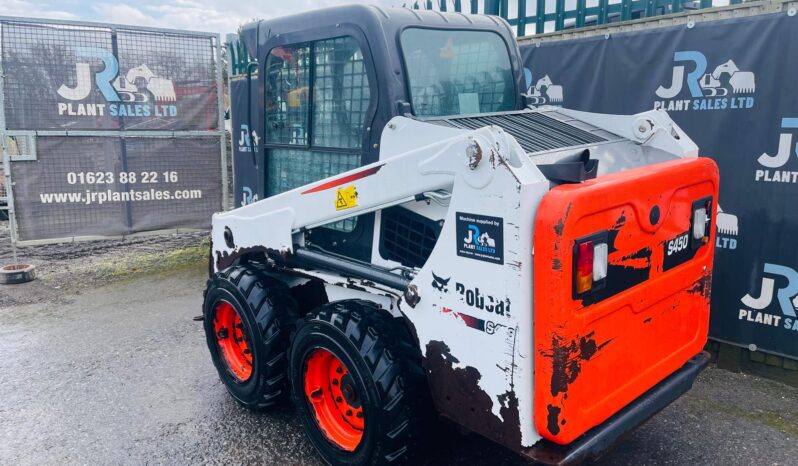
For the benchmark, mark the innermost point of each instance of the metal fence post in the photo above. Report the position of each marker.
(626, 10)
(540, 19)
(491, 7)
(6, 159)
(231, 42)
(521, 18)
(603, 13)
(220, 98)
(559, 19)
(580, 12)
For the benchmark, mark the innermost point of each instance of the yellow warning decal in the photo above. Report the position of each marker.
(346, 198)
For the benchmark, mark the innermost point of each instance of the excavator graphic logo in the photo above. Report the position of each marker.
(544, 91)
(726, 87)
(138, 85)
(727, 226)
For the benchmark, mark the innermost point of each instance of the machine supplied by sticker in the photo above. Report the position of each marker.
(480, 237)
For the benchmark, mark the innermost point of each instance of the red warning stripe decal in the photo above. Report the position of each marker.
(344, 180)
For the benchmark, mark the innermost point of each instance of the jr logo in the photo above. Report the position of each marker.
(708, 91)
(103, 79)
(785, 151)
(247, 196)
(246, 141)
(700, 62)
(787, 296)
(473, 232)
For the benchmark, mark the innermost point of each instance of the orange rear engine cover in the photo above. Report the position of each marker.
(596, 353)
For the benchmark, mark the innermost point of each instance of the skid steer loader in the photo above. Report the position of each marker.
(428, 245)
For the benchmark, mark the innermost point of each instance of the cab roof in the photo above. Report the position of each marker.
(372, 19)
(378, 32)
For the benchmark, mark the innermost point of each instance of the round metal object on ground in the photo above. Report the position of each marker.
(232, 341)
(333, 396)
(17, 273)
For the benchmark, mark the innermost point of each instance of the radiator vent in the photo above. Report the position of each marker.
(535, 131)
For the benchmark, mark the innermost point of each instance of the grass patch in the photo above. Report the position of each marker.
(775, 420)
(155, 262)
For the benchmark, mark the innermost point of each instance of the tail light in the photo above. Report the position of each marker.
(590, 263)
(584, 267)
(700, 222)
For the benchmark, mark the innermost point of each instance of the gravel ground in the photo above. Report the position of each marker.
(107, 368)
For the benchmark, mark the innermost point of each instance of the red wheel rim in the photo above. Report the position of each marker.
(332, 395)
(232, 342)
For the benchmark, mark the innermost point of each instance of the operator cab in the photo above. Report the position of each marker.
(329, 89)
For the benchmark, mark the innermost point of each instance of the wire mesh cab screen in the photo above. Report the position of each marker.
(457, 72)
(317, 95)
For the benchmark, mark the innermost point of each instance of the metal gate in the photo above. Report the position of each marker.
(541, 16)
(109, 130)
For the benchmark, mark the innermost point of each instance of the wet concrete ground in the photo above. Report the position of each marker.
(121, 375)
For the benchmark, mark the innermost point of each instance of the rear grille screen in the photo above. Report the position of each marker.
(535, 131)
(406, 237)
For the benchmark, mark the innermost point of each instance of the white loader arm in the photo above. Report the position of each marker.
(653, 128)
(270, 224)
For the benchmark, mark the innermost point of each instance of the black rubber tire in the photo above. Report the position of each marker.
(268, 313)
(378, 352)
(14, 274)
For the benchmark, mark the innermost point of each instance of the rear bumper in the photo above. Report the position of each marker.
(600, 438)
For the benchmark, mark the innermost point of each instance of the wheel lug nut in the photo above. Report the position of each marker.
(348, 412)
(335, 382)
(339, 370)
(359, 415)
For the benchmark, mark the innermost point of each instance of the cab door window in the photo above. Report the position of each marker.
(287, 88)
(340, 92)
(317, 99)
